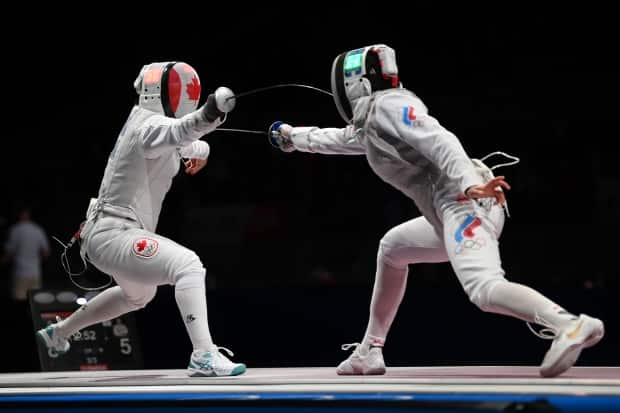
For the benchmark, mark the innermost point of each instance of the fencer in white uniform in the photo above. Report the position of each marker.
(119, 237)
(459, 198)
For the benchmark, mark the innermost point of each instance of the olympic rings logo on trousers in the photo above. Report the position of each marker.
(470, 244)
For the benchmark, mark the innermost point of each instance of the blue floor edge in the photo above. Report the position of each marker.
(556, 400)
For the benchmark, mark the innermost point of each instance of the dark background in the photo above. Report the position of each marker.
(289, 240)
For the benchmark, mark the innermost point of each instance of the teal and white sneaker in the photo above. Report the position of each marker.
(49, 337)
(213, 364)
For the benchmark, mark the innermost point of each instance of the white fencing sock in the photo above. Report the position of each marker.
(192, 303)
(389, 288)
(523, 302)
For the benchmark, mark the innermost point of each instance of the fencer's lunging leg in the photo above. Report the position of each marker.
(412, 242)
(471, 242)
(471, 238)
(190, 295)
(107, 305)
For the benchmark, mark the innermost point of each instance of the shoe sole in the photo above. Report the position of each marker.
(238, 370)
(572, 353)
(564, 362)
(378, 371)
(375, 372)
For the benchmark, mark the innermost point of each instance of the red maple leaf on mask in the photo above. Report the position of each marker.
(193, 89)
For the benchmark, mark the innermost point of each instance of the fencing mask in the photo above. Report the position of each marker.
(171, 88)
(361, 72)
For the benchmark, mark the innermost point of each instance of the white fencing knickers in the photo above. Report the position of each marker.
(139, 261)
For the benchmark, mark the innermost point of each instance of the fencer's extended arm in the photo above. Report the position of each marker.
(328, 141)
(160, 133)
(406, 118)
(197, 149)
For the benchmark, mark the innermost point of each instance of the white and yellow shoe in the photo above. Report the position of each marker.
(567, 344)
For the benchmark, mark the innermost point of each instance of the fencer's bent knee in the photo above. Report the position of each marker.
(399, 255)
(190, 280)
(191, 272)
(388, 250)
(192, 275)
(388, 255)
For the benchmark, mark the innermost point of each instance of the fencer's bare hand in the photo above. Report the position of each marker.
(194, 165)
(492, 189)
